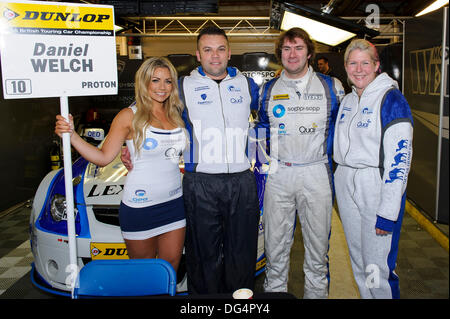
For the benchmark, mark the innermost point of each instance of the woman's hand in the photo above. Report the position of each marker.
(64, 126)
(126, 158)
(381, 232)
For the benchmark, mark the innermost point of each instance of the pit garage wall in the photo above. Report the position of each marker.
(426, 89)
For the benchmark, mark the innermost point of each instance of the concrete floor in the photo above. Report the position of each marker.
(342, 284)
(422, 264)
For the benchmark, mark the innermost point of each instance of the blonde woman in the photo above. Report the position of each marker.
(373, 148)
(151, 214)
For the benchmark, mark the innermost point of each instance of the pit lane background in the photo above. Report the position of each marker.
(426, 89)
(26, 125)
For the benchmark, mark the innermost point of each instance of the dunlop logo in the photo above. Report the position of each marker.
(9, 14)
(65, 16)
(108, 251)
(26, 15)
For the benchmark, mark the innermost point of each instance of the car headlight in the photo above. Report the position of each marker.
(58, 208)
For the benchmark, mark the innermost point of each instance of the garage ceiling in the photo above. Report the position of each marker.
(341, 8)
(249, 18)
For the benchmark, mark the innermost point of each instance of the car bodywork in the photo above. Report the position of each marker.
(97, 195)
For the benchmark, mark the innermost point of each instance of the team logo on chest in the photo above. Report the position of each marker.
(237, 100)
(233, 88)
(363, 124)
(278, 110)
(282, 129)
(313, 96)
(150, 144)
(172, 153)
(366, 110)
(308, 130)
(204, 100)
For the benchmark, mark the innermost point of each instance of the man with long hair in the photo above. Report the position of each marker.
(298, 108)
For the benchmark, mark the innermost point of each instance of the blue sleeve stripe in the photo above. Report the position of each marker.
(232, 71)
(189, 164)
(263, 120)
(394, 109)
(254, 93)
(189, 159)
(384, 224)
(328, 85)
(392, 257)
(331, 94)
(263, 117)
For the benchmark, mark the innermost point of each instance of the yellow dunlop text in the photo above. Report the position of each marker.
(108, 251)
(32, 15)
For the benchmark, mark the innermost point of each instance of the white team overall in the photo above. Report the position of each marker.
(300, 114)
(373, 150)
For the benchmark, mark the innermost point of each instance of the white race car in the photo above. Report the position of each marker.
(97, 195)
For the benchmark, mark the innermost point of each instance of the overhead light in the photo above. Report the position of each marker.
(432, 7)
(117, 28)
(322, 27)
(318, 31)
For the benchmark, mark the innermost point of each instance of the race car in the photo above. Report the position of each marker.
(97, 194)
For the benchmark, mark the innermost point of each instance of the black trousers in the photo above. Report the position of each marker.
(222, 216)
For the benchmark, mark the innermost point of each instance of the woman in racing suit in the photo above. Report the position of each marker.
(373, 150)
(151, 214)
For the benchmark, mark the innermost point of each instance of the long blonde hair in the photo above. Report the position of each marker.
(173, 107)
